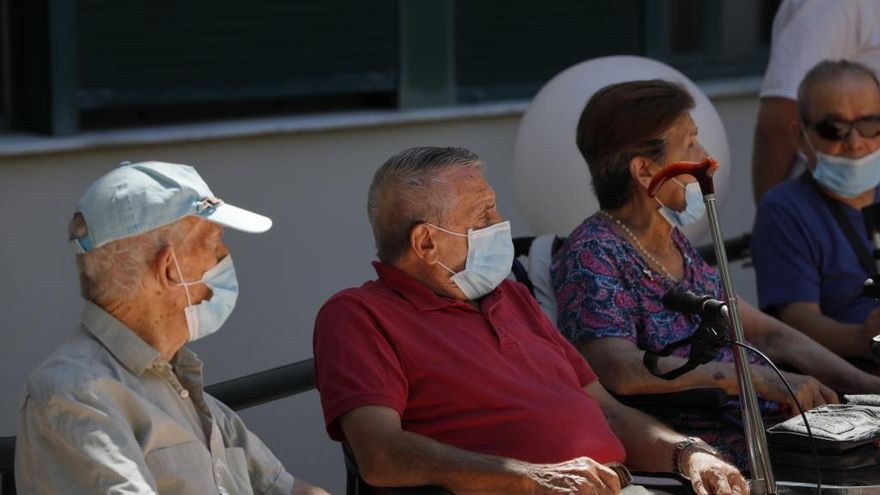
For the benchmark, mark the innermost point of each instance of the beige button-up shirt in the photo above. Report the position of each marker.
(106, 414)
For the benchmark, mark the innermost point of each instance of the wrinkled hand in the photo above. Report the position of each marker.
(809, 391)
(711, 475)
(581, 476)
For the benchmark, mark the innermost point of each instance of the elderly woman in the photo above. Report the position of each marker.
(612, 271)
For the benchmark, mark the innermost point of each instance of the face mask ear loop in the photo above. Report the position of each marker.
(659, 203)
(180, 275)
(444, 230)
(661, 187)
(450, 270)
(809, 143)
(658, 199)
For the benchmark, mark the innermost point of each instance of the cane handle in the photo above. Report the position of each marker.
(702, 171)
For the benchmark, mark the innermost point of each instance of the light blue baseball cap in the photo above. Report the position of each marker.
(135, 198)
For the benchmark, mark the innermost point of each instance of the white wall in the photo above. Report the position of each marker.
(314, 187)
(738, 210)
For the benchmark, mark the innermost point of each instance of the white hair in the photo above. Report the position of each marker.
(829, 71)
(412, 187)
(115, 271)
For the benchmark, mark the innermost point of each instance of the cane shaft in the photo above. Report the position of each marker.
(756, 440)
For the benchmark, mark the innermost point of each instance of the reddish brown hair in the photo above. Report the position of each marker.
(623, 121)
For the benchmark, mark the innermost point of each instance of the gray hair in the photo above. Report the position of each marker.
(829, 71)
(412, 187)
(115, 271)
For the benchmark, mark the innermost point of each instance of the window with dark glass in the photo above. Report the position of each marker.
(185, 59)
(88, 64)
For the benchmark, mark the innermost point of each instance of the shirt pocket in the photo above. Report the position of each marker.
(184, 469)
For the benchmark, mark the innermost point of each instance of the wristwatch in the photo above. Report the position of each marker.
(682, 448)
(623, 474)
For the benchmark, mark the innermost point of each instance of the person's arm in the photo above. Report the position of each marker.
(650, 447)
(784, 344)
(76, 444)
(844, 339)
(364, 390)
(267, 474)
(798, 44)
(618, 363)
(301, 487)
(388, 456)
(775, 146)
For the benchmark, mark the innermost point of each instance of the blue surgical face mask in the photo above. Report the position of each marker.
(694, 207)
(489, 257)
(208, 316)
(847, 177)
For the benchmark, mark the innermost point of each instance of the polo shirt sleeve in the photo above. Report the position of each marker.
(783, 252)
(806, 33)
(78, 443)
(267, 474)
(584, 373)
(355, 363)
(581, 367)
(592, 295)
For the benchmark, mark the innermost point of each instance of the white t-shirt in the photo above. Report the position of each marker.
(806, 32)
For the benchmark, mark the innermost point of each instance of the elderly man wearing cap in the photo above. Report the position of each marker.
(120, 408)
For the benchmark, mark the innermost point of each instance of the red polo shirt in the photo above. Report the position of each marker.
(498, 380)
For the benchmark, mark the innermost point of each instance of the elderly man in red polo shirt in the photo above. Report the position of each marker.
(441, 372)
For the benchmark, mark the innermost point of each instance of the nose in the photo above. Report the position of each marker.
(699, 152)
(855, 144)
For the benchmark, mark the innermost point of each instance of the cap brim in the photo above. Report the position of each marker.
(237, 218)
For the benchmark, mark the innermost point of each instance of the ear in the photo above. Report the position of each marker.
(422, 245)
(164, 268)
(639, 170)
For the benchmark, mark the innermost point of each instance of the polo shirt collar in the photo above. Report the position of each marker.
(125, 345)
(417, 293)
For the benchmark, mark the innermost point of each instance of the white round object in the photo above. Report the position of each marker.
(550, 177)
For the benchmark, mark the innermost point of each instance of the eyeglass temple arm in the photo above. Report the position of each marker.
(702, 171)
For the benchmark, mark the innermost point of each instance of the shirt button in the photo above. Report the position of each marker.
(184, 394)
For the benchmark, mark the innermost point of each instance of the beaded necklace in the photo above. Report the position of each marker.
(639, 246)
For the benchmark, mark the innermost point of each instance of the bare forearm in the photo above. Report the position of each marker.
(388, 456)
(620, 368)
(650, 446)
(775, 147)
(785, 345)
(415, 460)
(771, 162)
(648, 442)
(843, 339)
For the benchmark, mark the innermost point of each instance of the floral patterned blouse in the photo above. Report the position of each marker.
(605, 288)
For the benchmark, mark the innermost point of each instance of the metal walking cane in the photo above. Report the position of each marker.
(763, 482)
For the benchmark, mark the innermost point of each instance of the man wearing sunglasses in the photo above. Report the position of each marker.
(809, 244)
(805, 32)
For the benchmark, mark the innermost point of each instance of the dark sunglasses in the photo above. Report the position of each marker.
(835, 130)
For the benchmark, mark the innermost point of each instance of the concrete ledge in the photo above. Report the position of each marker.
(17, 144)
(732, 87)
(23, 144)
